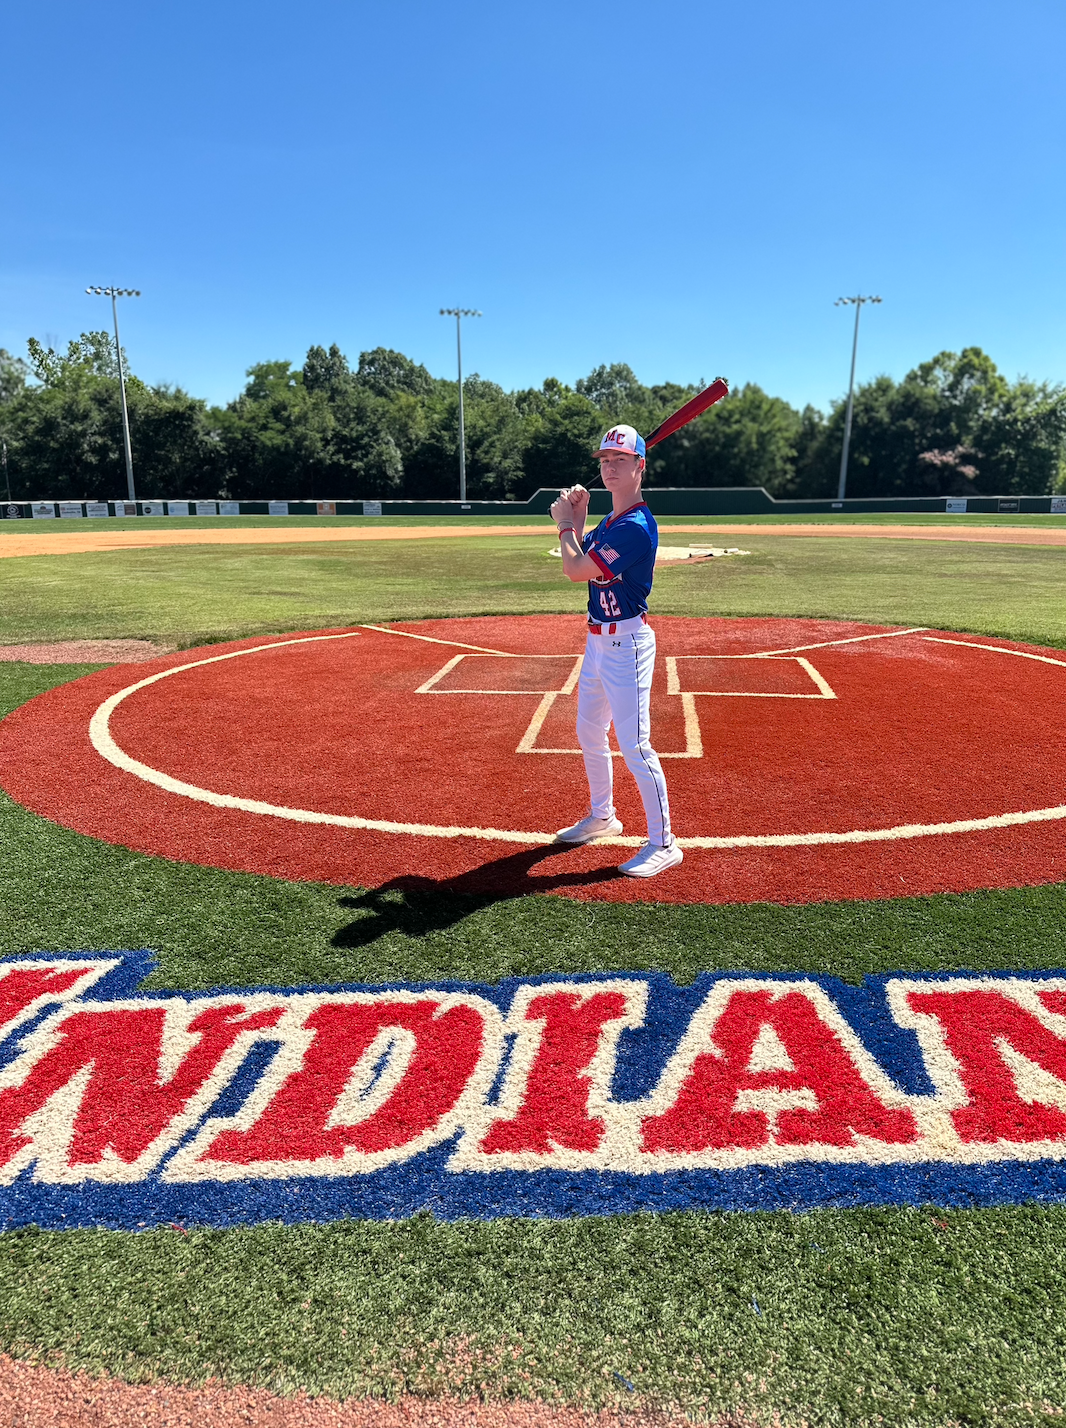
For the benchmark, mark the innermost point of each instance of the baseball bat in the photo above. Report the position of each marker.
(718, 389)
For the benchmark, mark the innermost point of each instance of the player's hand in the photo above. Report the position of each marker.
(579, 501)
(562, 512)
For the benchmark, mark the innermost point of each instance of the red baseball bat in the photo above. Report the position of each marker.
(718, 389)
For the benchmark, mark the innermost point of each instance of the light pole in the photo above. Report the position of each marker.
(843, 302)
(114, 294)
(459, 313)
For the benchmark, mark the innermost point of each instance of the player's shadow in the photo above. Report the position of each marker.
(418, 906)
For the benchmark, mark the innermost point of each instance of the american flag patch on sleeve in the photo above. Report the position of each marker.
(608, 553)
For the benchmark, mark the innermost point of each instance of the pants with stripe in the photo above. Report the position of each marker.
(615, 687)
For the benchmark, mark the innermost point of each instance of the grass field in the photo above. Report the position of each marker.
(891, 1316)
(190, 595)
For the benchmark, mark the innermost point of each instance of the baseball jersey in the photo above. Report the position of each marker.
(624, 549)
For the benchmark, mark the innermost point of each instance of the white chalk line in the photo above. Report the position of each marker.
(996, 649)
(826, 644)
(103, 742)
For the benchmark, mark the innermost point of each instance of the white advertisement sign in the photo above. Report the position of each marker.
(152, 508)
(178, 508)
(207, 508)
(956, 504)
(70, 510)
(97, 510)
(1058, 505)
(371, 508)
(277, 508)
(43, 511)
(229, 508)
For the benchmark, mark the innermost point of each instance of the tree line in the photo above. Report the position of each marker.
(387, 428)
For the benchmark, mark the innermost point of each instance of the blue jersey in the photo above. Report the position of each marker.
(624, 549)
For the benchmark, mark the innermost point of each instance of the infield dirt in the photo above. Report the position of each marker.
(83, 542)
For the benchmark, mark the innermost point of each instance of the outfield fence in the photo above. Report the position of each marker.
(664, 501)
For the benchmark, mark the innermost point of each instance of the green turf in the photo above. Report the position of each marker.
(189, 595)
(896, 1316)
(891, 1316)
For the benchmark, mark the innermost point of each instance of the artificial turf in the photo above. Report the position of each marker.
(912, 1316)
(895, 1316)
(898, 1316)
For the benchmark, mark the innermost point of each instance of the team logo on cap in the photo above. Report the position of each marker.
(623, 438)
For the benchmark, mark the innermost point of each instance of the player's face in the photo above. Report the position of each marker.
(622, 471)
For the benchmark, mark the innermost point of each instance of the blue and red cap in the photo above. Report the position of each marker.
(622, 438)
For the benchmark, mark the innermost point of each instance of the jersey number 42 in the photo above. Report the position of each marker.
(609, 604)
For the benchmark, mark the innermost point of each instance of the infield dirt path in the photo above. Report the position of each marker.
(35, 1394)
(85, 542)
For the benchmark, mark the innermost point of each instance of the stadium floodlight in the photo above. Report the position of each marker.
(459, 313)
(858, 301)
(114, 294)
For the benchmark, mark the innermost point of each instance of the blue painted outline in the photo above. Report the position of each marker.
(424, 1184)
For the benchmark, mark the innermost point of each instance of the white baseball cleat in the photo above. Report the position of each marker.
(652, 859)
(589, 829)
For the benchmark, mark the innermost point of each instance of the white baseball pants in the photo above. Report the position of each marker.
(615, 687)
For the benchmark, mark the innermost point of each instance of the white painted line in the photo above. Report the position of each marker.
(102, 741)
(430, 640)
(529, 738)
(572, 678)
(526, 744)
(693, 739)
(823, 684)
(673, 681)
(431, 681)
(826, 644)
(996, 649)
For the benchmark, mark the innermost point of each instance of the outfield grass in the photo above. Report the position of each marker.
(899, 1316)
(190, 595)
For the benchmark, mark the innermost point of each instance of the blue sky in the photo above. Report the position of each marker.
(679, 186)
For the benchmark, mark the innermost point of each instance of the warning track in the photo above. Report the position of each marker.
(806, 759)
(94, 541)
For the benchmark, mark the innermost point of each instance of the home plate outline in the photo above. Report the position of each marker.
(105, 745)
(835, 786)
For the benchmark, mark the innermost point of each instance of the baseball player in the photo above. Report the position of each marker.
(618, 560)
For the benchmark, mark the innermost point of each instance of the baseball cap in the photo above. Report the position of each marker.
(622, 438)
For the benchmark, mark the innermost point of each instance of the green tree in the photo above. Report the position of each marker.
(14, 373)
(747, 439)
(564, 429)
(65, 435)
(953, 426)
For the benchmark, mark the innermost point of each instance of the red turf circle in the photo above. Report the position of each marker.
(772, 729)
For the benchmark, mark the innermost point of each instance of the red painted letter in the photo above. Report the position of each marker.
(727, 1099)
(554, 1109)
(411, 1060)
(111, 1060)
(979, 1027)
